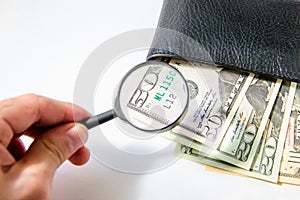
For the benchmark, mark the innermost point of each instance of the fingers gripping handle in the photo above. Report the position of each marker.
(96, 120)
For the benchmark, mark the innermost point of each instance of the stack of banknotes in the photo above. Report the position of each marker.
(240, 122)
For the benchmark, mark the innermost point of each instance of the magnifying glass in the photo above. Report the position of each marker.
(152, 97)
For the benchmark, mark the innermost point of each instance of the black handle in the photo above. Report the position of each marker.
(96, 120)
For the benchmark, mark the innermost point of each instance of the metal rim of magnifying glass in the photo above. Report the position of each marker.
(117, 107)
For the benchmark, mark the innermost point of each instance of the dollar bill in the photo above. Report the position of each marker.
(212, 94)
(239, 113)
(268, 158)
(290, 165)
(247, 124)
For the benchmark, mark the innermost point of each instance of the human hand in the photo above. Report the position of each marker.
(29, 174)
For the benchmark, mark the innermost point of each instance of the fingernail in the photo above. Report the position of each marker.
(82, 132)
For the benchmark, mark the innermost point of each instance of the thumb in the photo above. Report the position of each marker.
(51, 149)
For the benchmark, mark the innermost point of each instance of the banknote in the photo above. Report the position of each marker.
(269, 94)
(238, 111)
(290, 165)
(212, 94)
(267, 160)
(247, 124)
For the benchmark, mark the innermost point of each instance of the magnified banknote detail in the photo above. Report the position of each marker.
(157, 96)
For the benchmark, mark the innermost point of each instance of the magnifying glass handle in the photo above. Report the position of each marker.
(96, 120)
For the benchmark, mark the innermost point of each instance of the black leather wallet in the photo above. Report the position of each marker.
(259, 36)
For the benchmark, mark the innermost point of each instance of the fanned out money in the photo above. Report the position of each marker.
(240, 122)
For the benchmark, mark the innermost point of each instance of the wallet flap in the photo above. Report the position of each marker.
(259, 36)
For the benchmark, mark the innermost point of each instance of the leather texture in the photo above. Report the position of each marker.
(259, 36)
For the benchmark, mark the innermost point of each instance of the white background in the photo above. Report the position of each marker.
(42, 47)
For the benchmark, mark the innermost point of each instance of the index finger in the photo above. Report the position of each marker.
(19, 113)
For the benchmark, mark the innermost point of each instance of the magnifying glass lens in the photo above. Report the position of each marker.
(153, 96)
